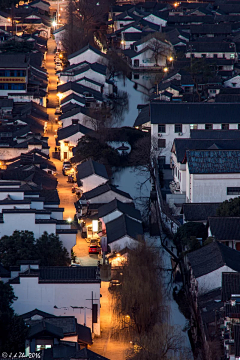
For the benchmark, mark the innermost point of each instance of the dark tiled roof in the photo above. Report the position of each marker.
(70, 130)
(44, 327)
(213, 161)
(208, 304)
(87, 354)
(215, 134)
(28, 315)
(194, 113)
(75, 97)
(102, 189)
(81, 51)
(50, 196)
(125, 208)
(122, 226)
(212, 257)
(89, 168)
(199, 212)
(225, 228)
(13, 61)
(143, 116)
(211, 29)
(64, 274)
(230, 285)
(4, 273)
(182, 145)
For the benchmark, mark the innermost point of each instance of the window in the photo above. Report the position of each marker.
(162, 128)
(238, 126)
(136, 76)
(178, 128)
(193, 126)
(208, 127)
(161, 143)
(136, 63)
(12, 73)
(215, 56)
(233, 191)
(225, 126)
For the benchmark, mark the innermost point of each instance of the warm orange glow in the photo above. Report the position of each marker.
(165, 69)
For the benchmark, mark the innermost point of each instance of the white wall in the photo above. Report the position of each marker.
(212, 280)
(113, 215)
(233, 82)
(69, 241)
(92, 182)
(32, 295)
(18, 195)
(155, 20)
(125, 241)
(72, 141)
(18, 221)
(201, 188)
(146, 59)
(170, 135)
(83, 120)
(12, 206)
(89, 56)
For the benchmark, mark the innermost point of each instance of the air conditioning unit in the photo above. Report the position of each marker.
(159, 135)
(180, 134)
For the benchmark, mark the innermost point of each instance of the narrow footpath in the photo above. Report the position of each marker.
(104, 345)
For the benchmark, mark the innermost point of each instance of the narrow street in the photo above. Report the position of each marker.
(104, 345)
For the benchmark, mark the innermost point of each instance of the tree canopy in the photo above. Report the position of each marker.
(21, 245)
(229, 207)
(188, 233)
(12, 328)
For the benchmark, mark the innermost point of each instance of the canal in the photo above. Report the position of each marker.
(138, 186)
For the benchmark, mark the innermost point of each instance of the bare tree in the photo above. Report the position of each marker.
(141, 308)
(143, 155)
(160, 47)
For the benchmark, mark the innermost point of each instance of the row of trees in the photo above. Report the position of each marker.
(141, 309)
(21, 245)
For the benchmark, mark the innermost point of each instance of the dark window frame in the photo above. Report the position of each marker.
(178, 128)
(161, 128)
(234, 190)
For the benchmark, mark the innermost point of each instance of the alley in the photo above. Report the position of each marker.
(104, 345)
(67, 199)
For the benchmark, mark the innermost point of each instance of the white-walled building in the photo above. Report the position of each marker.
(207, 264)
(123, 232)
(214, 49)
(89, 54)
(68, 138)
(69, 291)
(171, 120)
(114, 209)
(212, 175)
(104, 194)
(91, 174)
(26, 210)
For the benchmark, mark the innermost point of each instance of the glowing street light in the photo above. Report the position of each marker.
(60, 96)
(54, 23)
(165, 69)
(69, 220)
(170, 58)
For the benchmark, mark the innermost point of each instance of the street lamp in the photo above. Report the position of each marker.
(165, 69)
(54, 23)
